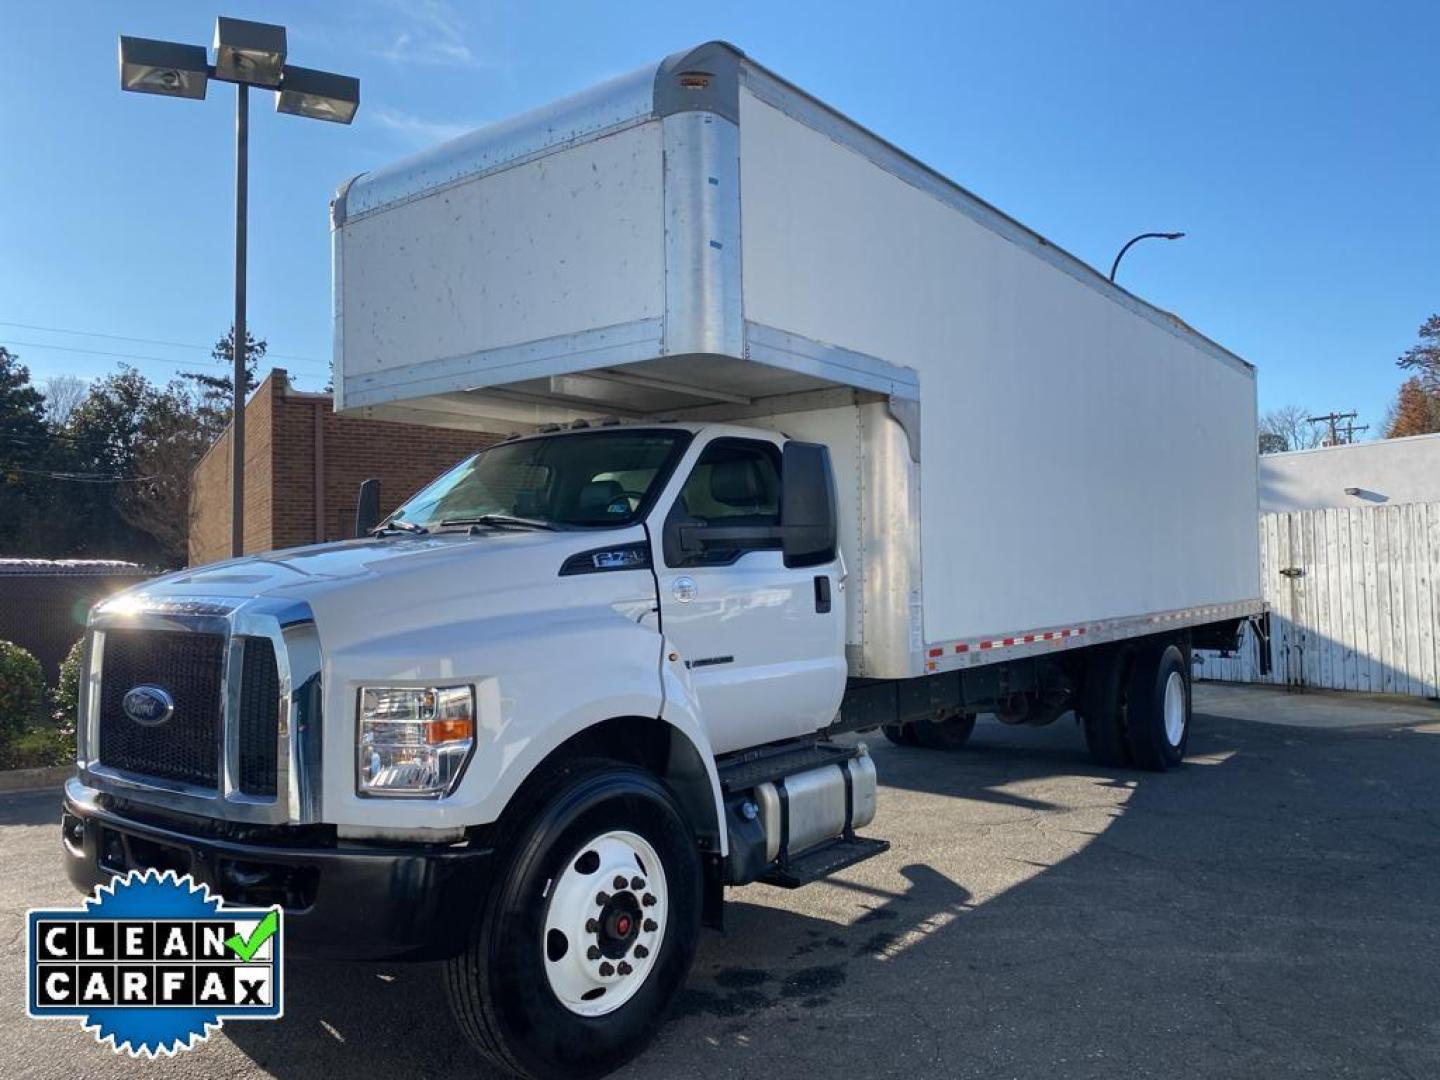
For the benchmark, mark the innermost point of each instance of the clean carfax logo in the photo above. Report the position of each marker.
(153, 963)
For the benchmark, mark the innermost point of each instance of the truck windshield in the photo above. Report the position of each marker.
(598, 479)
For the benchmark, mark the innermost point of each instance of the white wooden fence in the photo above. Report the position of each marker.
(1354, 599)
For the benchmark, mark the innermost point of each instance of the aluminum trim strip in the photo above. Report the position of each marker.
(591, 114)
(976, 652)
(795, 352)
(565, 354)
(702, 235)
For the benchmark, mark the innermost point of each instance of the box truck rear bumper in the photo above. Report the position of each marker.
(352, 903)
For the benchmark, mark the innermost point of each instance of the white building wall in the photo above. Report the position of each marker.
(1388, 472)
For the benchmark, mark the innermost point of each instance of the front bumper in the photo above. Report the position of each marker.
(352, 902)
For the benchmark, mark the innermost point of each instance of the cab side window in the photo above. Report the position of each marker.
(736, 482)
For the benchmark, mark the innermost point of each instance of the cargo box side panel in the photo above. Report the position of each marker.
(508, 275)
(1081, 460)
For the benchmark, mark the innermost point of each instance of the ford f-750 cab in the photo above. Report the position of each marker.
(804, 441)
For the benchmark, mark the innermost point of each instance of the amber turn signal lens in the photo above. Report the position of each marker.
(440, 731)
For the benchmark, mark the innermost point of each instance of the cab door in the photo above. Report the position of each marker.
(764, 642)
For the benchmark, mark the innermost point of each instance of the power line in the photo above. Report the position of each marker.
(116, 355)
(177, 366)
(141, 341)
(82, 478)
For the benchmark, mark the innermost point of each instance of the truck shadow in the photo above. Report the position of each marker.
(1266, 909)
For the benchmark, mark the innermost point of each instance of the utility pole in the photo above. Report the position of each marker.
(1340, 434)
(1351, 428)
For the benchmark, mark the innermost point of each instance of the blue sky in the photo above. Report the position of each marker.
(1297, 144)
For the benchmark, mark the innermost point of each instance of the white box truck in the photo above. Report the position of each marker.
(807, 440)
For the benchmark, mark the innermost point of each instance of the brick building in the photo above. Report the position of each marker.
(303, 467)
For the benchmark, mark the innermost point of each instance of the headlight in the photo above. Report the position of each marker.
(414, 741)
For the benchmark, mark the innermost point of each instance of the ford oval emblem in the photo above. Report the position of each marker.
(148, 705)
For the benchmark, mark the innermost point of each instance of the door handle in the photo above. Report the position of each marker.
(822, 593)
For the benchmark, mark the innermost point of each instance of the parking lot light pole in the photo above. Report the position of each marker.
(246, 54)
(1135, 240)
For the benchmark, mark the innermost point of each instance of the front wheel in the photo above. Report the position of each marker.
(587, 932)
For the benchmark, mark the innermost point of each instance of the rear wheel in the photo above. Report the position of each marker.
(588, 930)
(1158, 723)
(900, 734)
(951, 733)
(1103, 708)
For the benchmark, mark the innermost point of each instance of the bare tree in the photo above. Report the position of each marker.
(62, 394)
(1287, 429)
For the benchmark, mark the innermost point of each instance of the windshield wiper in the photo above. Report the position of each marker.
(400, 526)
(501, 521)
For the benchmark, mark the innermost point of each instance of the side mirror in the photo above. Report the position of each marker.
(367, 507)
(809, 532)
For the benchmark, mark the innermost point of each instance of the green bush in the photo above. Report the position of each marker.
(38, 748)
(29, 739)
(66, 694)
(22, 690)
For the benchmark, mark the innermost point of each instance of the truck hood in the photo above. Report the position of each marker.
(391, 574)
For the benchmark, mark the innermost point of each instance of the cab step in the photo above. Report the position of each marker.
(824, 860)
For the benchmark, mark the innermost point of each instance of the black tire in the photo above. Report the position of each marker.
(498, 987)
(1153, 744)
(952, 733)
(1103, 708)
(900, 734)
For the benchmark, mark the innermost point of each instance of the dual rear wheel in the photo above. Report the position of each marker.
(1135, 706)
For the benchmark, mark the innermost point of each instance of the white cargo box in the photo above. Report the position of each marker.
(1030, 457)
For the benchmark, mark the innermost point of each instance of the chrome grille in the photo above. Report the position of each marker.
(190, 667)
(261, 674)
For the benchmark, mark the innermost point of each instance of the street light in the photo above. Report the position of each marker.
(1135, 240)
(246, 54)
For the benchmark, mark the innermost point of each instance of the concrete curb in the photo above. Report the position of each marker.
(17, 780)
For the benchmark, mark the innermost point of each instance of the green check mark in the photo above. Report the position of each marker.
(245, 948)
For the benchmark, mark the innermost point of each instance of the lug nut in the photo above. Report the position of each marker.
(593, 953)
(637, 883)
(619, 882)
(592, 926)
(641, 952)
(648, 900)
(602, 898)
(651, 926)
(624, 968)
(607, 969)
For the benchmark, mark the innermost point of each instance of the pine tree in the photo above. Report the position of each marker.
(1424, 356)
(214, 393)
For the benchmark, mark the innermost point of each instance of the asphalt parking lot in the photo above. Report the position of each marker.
(1271, 909)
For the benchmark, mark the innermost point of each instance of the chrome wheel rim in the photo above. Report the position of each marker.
(604, 922)
(1175, 708)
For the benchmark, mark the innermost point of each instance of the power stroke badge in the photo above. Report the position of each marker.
(152, 963)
